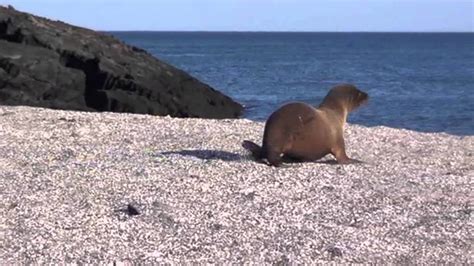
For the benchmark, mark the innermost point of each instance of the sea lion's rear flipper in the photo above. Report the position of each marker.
(254, 148)
(274, 159)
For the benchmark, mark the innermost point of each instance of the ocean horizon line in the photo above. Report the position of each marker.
(244, 31)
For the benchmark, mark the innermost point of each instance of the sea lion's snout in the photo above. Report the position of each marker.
(358, 99)
(363, 97)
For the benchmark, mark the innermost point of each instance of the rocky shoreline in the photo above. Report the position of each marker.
(66, 179)
(52, 64)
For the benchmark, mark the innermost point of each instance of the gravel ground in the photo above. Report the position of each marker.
(66, 179)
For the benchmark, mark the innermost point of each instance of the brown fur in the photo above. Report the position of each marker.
(301, 132)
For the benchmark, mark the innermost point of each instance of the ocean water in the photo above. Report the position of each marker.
(418, 81)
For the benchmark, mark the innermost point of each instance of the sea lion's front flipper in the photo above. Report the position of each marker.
(348, 160)
(355, 161)
(339, 151)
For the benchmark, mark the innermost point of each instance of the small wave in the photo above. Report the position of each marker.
(185, 55)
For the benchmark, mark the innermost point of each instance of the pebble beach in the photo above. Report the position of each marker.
(68, 180)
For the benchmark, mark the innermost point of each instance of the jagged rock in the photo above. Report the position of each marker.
(52, 64)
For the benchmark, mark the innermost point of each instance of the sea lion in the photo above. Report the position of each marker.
(298, 131)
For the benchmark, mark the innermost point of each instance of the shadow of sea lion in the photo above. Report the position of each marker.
(207, 154)
(229, 156)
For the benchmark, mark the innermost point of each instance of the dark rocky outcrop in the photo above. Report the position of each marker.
(52, 64)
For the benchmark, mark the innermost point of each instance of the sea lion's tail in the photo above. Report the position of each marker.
(254, 148)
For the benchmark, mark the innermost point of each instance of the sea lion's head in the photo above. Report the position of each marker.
(347, 96)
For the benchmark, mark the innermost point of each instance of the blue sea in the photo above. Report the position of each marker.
(419, 81)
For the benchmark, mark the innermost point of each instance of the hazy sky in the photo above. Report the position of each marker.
(258, 15)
